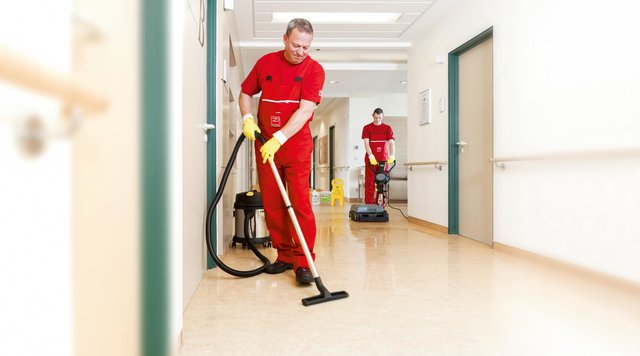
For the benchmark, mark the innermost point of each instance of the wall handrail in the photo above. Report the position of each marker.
(24, 72)
(437, 164)
(568, 155)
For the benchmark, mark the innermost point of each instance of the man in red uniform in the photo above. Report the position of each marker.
(291, 85)
(377, 138)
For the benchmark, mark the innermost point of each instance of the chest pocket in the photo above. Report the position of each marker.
(291, 89)
(277, 88)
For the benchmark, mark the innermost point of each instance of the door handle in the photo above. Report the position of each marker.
(461, 145)
(206, 127)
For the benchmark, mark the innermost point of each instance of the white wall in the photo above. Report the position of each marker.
(189, 113)
(229, 123)
(188, 156)
(36, 204)
(70, 216)
(565, 78)
(398, 183)
(107, 184)
(192, 107)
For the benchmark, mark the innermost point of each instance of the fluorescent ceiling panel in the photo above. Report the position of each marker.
(338, 17)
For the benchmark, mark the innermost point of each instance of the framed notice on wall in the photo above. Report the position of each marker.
(425, 107)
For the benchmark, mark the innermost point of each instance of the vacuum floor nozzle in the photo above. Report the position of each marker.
(324, 296)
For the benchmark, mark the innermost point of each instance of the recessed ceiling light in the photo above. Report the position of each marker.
(333, 82)
(403, 82)
(338, 17)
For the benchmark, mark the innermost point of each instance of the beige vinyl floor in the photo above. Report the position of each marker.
(413, 291)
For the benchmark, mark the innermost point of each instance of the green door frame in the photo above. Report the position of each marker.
(154, 179)
(454, 120)
(211, 116)
(154, 136)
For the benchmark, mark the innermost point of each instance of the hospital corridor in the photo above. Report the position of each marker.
(319, 177)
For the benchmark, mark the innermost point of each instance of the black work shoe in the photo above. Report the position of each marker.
(278, 267)
(303, 275)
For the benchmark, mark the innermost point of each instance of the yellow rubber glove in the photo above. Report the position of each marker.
(249, 128)
(372, 160)
(269, 149)
(391, 159)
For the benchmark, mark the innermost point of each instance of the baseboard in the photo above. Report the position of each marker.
(586, 273)
(428, 224)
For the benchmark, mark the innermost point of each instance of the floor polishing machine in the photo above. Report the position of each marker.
(375, 212)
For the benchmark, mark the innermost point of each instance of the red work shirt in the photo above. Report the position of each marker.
(378, 136)
(283, 85)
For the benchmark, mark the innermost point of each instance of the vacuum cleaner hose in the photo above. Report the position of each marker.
(250, 214)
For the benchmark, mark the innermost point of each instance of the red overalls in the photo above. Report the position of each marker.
(378, 136)
(283, 85)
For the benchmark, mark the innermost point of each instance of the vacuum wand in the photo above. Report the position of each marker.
(325, 295)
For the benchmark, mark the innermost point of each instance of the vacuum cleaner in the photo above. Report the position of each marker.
(325, 295)
(248, 209)
(249, 214)
(375, 212)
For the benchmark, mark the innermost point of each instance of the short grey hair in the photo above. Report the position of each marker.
(302, 25)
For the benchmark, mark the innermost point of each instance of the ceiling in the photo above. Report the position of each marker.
(363, 59)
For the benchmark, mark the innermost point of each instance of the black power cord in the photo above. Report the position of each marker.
(389, 202)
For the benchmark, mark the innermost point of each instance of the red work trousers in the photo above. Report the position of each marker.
(294, 170)
(369, 183)
(370, 180)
